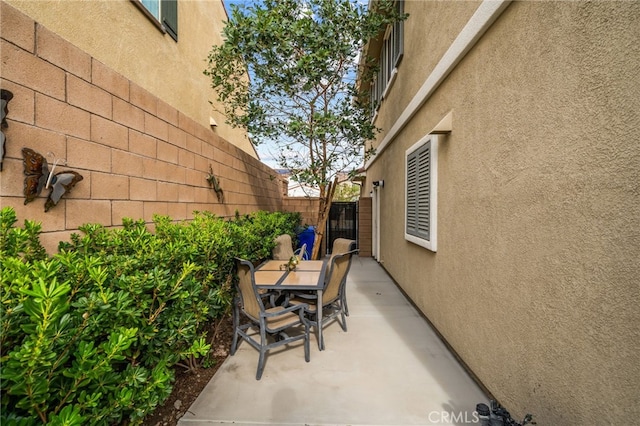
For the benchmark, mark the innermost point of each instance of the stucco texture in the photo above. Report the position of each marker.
(535, 282)
(119, 35)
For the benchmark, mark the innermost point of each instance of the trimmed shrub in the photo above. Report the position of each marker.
(92, 334)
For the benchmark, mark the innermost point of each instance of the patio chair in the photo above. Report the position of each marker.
(271, 323)
(333, 295)
(341, 245)
(283, 249)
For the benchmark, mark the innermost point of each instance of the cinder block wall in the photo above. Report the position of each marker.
(138, 155)
(308, 208)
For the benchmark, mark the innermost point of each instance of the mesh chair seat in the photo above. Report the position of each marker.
(282, 321)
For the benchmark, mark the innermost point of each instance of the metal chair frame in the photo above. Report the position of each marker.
(336, 305)
(266, 320)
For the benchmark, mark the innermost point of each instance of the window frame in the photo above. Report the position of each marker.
(415, 229)
(391, 54)
(167, 21)
(397, 37)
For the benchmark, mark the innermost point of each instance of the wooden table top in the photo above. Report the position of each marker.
(303, 265)
(309, 275)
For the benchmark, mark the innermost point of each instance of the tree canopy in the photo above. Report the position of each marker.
(287, 71)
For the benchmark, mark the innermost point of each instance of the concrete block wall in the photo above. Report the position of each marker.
(138, 155)
(307, 206)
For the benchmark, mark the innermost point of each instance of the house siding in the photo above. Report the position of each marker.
(535, 281)
(138, 155)
(118, 35)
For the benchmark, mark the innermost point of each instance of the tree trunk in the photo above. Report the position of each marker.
(323, 216)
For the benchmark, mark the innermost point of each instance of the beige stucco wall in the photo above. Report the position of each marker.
(118, 34)
(535, 283)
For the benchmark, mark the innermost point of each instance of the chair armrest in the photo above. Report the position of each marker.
(288, 309)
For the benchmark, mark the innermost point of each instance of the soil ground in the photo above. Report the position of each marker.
(189, 384)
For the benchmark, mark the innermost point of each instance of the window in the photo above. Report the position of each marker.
(390, 57)
(163, 13)
(421, 184)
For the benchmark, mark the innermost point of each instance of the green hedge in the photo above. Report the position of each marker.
(91, 335)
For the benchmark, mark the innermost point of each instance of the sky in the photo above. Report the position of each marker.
(266, 152)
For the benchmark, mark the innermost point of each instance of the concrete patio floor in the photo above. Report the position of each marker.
(389, 368)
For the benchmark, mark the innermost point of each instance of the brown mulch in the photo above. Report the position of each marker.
(189, 384)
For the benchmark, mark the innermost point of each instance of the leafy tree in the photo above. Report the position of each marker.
(346, 192)
(287, 72)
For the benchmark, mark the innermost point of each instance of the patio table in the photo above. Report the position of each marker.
(308, 275)
(303, 265)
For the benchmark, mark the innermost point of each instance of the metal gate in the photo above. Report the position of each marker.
(342, 222)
